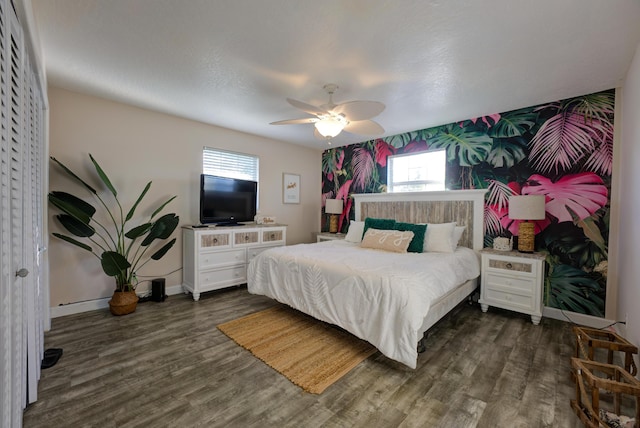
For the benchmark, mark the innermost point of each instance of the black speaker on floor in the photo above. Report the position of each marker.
(157, 290)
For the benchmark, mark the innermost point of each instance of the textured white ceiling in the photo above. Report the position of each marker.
(232, 63)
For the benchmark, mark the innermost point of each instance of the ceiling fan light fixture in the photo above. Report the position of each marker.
(331, 126)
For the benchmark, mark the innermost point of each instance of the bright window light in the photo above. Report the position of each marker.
(416, 172)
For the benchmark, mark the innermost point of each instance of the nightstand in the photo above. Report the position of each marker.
(512, 280)
(326, 236)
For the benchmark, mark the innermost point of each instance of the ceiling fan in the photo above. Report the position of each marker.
(331, 119)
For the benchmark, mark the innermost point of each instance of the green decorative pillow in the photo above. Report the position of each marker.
(417, 243)
(378, 223)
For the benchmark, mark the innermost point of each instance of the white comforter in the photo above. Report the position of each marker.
(378, 296)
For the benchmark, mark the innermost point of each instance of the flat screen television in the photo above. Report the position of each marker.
(227, 201)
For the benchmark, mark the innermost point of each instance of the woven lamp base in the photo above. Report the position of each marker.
(333, 223)
(526, 237)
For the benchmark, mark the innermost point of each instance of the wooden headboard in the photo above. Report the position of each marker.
(466, 207)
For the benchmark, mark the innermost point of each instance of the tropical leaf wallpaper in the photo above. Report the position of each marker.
(562, 150)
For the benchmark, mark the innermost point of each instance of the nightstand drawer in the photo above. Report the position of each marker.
(493, 280)
(511, 266)
(508, 300)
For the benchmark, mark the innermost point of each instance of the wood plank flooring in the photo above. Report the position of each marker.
(167, 365)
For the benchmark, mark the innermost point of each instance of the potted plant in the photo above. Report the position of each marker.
(121, 249)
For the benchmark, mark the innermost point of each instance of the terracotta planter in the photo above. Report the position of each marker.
(123, 302)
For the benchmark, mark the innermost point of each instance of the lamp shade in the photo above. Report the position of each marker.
(526, 207)
(333, 206)
(329, 126)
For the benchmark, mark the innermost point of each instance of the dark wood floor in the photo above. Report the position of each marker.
(167, 365)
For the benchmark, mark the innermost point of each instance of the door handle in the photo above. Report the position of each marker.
(22, 273)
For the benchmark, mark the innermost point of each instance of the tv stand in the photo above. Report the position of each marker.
(231, 224)
(217, 257)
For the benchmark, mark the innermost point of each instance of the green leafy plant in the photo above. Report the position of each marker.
(122, 250)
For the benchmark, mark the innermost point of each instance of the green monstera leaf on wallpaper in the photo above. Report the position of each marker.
(507, 152)
(469, 146)
(569, 244)
(571, 289)
(513, 124)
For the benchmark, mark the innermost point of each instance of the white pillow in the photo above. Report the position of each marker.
(354, 234)
(439, 238)
(457, 234)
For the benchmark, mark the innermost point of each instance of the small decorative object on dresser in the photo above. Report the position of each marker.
(512, 280)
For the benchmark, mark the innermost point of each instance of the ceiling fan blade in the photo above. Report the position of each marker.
(306, 107)
(295, 121)
(364, 127)
(359, 110)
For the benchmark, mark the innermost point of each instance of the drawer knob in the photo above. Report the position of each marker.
(273, 236)
(509, 266)
(246, 237)
(215, 240)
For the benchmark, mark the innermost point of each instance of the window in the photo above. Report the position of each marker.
(229, 164)
(416, 172)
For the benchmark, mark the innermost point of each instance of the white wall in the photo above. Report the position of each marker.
(135, 146)
(628, 263)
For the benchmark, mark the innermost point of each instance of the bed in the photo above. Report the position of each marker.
(389, 299)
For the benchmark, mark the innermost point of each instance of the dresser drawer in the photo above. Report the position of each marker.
(215, 241)
(246, 238)
(220, 278)
(273, 236)
(214, 260)
(508, 300)
(516, 283)
(253, 252)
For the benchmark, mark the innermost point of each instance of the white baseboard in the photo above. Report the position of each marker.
(92, 305)
(580, 319)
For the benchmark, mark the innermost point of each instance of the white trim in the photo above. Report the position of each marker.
(576, 318)
(92, 305)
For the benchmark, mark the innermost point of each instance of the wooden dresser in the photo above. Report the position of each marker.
(217, 257)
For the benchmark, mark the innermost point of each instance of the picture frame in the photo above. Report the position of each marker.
(290, 188)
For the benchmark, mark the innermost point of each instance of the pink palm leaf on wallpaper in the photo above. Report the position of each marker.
(583, 194)
(343, 193)
(582, 129)
(363, 166)
(560, 143)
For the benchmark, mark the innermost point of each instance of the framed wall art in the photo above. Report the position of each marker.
(290, 188)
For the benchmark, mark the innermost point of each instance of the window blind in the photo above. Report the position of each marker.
(229, 164)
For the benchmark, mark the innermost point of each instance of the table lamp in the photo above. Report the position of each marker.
(333, 207)
(526, 208)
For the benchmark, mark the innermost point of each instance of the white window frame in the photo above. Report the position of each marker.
(225, 163)
(428, 162)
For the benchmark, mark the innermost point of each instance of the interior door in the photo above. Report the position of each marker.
(21, 220)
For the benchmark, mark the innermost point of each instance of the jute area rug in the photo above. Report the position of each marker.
(308, 352)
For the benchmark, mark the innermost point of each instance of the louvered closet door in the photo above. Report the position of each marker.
(21, 219)
(8, 400)
(32, 213)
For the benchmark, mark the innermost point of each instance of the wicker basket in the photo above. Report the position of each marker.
(123, 302)
(596, 384)
(588, 340)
